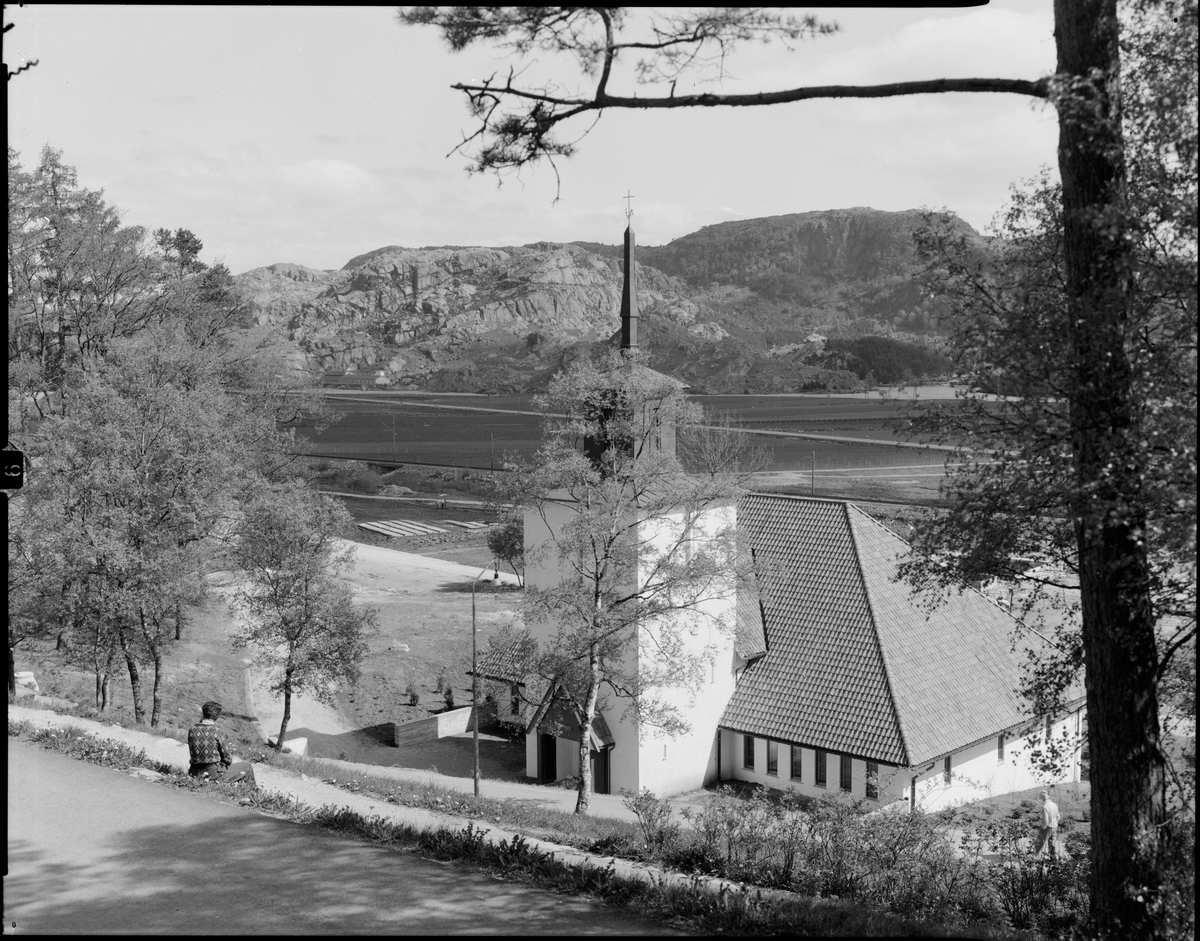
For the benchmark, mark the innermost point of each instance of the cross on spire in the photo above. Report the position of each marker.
(628, 205)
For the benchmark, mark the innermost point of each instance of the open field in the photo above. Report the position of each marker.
(854, 451)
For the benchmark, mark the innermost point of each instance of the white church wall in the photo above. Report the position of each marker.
(976, 772)
(890, 781)
(637, 759)
(674, 764)
(531, 756)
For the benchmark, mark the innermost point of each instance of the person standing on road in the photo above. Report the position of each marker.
(210, 755)
(1048, 831)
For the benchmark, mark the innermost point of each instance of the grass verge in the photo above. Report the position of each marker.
(593, 834)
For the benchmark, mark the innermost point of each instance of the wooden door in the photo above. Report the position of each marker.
(547, 758)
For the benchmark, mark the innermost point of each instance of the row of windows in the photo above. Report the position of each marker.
(822, 763)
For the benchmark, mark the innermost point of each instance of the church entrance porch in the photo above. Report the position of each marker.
(556, 730)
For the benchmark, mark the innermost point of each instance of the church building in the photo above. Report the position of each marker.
(824, 672)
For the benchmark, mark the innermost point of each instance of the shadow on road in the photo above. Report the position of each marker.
(246, 873)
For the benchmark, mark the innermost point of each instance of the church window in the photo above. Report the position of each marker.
(748, 752)
(772, 757)
(872, 780)
(797, 762)
(946, 773)
(847, 770)
(821, 754)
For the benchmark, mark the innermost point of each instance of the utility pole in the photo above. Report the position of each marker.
(495, 566)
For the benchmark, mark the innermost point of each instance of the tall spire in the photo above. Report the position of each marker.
(629, 308)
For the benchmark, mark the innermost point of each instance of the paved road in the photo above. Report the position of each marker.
(92, 850)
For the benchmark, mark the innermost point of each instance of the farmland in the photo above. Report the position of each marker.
(833, 445)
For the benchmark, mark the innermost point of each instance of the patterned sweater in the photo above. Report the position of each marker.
(206, 745)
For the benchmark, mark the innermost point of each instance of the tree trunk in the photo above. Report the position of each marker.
(102, 667)
(135, 679)
(287, 709)
(584, 798)
(12, 672)
(106, 678)
(178, 620)
(1120, 651)
(156, 706)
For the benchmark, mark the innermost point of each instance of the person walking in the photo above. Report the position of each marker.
(210, 756)
(1048, 832)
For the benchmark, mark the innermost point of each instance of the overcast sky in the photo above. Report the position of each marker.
(314, 134)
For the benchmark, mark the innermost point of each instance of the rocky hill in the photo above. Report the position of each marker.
(737, 306)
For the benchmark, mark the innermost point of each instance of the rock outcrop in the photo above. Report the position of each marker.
(503, 319)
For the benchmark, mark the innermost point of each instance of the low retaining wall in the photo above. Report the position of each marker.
(431, 728)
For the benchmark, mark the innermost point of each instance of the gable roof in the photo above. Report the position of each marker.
(854, 663)
(561, 716)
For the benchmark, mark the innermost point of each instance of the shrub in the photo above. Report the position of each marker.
(441, 681)
(1177, 894)
(654, 816)
(357, 477)
(414, 698)
(448, 695)
(693, 856)
(1051, 895)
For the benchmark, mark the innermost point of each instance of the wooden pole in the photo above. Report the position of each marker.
(475, 679)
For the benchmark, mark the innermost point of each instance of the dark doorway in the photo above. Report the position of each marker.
(601, 783)
(547, 758)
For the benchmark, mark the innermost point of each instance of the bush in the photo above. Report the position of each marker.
(357, 477)
(448, 695)
(414, 698)
(1177, 895)
(654, 816)
(1047, 894)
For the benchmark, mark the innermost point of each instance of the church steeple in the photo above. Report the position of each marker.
(629, 305)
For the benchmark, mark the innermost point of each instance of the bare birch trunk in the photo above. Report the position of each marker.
(583, 801)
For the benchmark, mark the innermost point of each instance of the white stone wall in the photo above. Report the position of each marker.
(976, 772)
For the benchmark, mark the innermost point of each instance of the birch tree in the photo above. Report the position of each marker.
(298, 615)
(638, 556)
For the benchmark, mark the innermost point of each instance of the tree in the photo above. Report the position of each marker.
(181, 249)
(640, 552)
(78, 279)
(1099, 228)
(147, 464)
(299, 617)
(148, 411)
(507, 542)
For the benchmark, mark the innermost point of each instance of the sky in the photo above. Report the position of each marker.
(311, 135)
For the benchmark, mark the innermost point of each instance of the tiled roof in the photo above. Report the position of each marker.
(748, 640)
(822, 681)
(508, 663)
(855, 664)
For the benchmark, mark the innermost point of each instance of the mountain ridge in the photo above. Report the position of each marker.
(731, 307)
